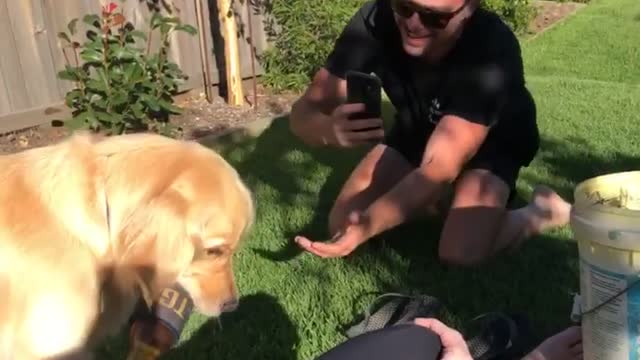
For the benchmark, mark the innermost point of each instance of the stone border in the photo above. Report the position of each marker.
(580, 7)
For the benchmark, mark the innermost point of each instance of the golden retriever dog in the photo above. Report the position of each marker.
(91, 225)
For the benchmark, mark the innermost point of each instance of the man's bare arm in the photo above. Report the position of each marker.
(452, 144)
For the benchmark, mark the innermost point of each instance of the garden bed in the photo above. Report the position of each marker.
(198, 120)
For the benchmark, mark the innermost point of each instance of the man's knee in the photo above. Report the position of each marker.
(469, 235)
(474, 220)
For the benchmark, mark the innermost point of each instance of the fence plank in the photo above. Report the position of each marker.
(57, 16)
(184, 47)
(33, 50)
(5, 103)
(10, 64)
(245, 42)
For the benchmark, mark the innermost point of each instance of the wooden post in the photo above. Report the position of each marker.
(235, 94)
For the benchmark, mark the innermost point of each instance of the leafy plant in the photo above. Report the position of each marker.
(121, 86)
(302, 35)
(518, 14)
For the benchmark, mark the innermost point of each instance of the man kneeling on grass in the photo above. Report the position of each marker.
(464, 117)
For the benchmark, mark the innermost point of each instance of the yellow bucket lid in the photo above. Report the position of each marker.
(615, 194)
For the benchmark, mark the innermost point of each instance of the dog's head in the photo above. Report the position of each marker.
(223, 214)
(188, 224)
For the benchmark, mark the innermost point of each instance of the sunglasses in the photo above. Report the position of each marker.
(433, 19)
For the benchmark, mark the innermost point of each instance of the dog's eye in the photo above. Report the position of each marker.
(215, 251)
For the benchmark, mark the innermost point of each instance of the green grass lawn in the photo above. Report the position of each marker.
(597, 44)
(588, 94)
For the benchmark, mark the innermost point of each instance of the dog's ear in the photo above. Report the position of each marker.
(156, 235)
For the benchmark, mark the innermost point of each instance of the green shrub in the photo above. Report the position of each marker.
(307, 30)
(121, 85)
(306, 34)
(516, 13)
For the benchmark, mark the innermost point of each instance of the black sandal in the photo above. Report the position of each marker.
(400, 309)
(500, 337)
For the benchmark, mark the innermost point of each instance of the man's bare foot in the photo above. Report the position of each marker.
(566, 345)
(546, 210)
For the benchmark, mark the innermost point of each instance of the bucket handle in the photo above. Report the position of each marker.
(613, 235)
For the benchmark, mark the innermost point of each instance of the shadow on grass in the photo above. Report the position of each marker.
(280, 161)
(564, 164)
(259, 329)
(538, 280)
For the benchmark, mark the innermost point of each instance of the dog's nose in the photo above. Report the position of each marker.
(230, 305)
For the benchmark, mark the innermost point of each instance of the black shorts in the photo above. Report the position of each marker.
(491, 157)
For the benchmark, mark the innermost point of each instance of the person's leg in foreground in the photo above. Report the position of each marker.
(406, 342)
(431, 339)
(464, 118)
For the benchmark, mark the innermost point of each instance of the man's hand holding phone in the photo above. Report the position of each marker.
(348, 131)
(359, 120)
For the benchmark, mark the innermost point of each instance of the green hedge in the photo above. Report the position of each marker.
(307, 30)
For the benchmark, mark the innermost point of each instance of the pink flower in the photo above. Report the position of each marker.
(109, 8)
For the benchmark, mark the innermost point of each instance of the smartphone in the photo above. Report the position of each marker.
(367, 89)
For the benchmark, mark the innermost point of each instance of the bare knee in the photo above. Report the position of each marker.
(474, 220)
(469, 235)
(470, 241)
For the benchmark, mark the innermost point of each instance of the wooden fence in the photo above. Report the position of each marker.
(31, 93)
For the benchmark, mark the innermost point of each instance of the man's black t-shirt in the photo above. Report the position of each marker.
(481, 80)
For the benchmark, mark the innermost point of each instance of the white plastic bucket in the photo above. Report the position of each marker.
(605, 220)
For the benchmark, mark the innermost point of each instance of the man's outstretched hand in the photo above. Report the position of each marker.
(343, 243)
